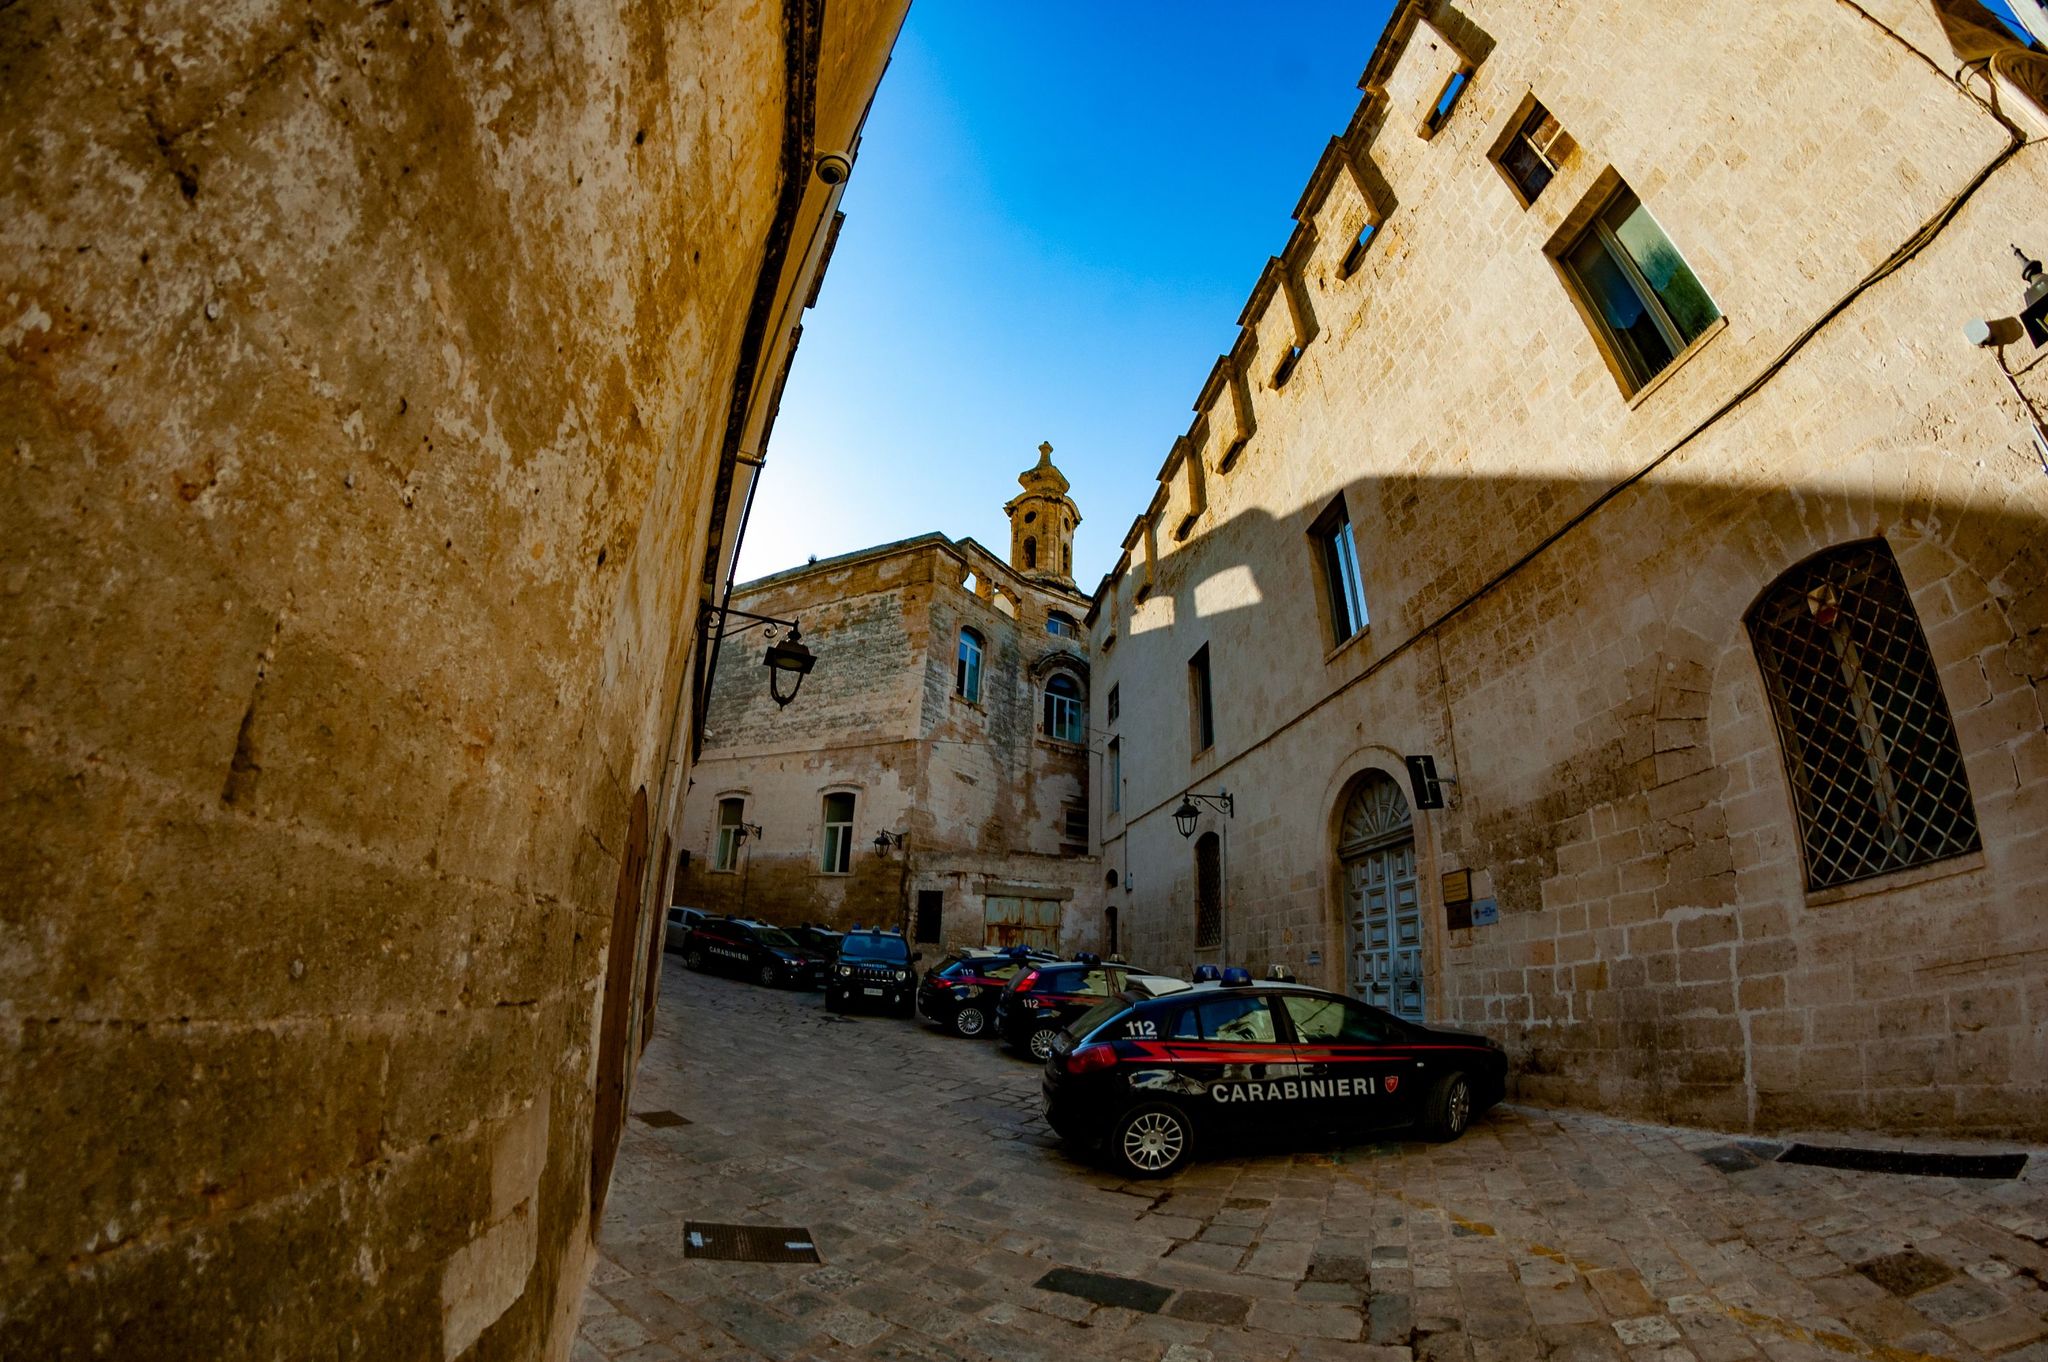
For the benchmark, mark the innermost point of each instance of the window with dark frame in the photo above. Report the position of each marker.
(1534, 153)
(1065, 719)
(1200, 702)
(967, 670)
(1643, 296)
(1337, 551)
(837, 858)
(1060, 623)
(1355, 256)
(1074, 823)
(1115, 702)
(931, 909)
(731, 814)
(1863, 726)
(1208, 891)
(1114, 761)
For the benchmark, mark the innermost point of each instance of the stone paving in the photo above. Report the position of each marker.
(940, 1204)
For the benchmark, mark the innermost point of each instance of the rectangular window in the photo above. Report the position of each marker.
(1074, 825)
(1355, 257)
(931, 907)
(1534, 152)
(1201, 706)
(1643, 295)
(1116, 706)
(967, 670)
(838, 857)
(1337, 549)
(1440, 112)
(1208, 891)
(731, 818)
(1115, 762)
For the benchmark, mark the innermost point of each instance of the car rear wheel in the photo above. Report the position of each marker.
(970, 1022)
(1152, 1140)
(1450, 1107)
(767, 977)
(1040, 1041)
(694, 958)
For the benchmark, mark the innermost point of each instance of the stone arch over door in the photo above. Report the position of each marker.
(1382, 903)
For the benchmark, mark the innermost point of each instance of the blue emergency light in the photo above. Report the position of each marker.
(1207, 974)
(1088, 958)
(1237, 976)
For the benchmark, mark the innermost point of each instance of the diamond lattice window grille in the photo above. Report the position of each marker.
(1869, 746)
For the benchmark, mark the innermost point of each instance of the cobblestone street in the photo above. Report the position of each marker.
(940, 1203)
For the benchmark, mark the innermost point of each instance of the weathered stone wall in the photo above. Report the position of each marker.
(978, 789)
(1557, 573)
(363, 373)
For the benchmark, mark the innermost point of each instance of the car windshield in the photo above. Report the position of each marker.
(1095, 1016)
(873, 946)
(775, 936)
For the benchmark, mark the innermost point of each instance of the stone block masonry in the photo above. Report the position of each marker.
(365, 375)
(1559, 563)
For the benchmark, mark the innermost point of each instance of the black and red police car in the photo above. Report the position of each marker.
(767, 955)
(1151, 1079)
(960, 992)
(1039, 1003)
(873, 969)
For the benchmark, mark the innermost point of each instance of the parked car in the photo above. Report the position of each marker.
(960, 992)
(820, 944)
(873, 969)
(681, 922)
(1151, 1079)
(767, 955)
(1040, 1002)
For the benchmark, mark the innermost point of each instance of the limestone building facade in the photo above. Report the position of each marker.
(1607, 433)
(374, 385)
(948, 714)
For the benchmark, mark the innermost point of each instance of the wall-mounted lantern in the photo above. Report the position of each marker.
(886, 842)
(1187, 815)
(788, 660)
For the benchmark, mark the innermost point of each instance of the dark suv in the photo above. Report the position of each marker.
(1151, 1079)
(1037, 1004)
(754, 950)
(960, 991)
(873, 969)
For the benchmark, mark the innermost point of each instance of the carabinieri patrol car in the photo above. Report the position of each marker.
(960, 991)
(753, 950)
(1151, 1079)
(1040, 1002)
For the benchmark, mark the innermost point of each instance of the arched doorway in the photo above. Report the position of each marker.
(1382, 914)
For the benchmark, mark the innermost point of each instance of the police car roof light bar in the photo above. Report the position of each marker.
(1087, 957)
(1237, 976)
(1207, 974)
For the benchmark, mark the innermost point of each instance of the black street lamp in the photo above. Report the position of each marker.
(886, 842)
(1187, 815)
(788, 661)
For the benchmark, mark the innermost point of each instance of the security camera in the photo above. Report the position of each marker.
(834, 167)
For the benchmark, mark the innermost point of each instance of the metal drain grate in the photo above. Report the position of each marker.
(662, 1120)
(2003, 1166)
(749, 1243)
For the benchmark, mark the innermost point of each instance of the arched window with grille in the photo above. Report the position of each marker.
(1869, 745)
(967, 673)
(1065, 718)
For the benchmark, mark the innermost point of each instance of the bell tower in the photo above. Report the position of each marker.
(1042, 522)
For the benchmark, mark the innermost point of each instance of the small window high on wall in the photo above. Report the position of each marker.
(1863, 726)
(967, 671)
(838, 848)
(1337, 555)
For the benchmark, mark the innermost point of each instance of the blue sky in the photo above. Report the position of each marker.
(1058, 211)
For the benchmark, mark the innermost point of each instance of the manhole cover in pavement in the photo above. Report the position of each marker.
(662, 1120)
(1904, 1161)
(1907, 1273)
(1729, 1158)
(749, 1243)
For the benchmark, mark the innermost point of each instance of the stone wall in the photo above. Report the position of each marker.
(1557, 571)
(364, 373)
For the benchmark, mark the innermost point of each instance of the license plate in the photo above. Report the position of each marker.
(872, 992)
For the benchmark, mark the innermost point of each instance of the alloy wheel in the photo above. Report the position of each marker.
(1041, 1041)
(969, 1021)
(1153, 1141)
